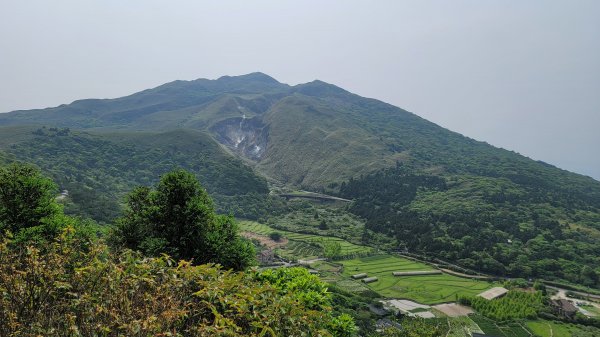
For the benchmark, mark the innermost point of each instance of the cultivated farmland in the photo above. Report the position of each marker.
(302, 246)
(428, 289)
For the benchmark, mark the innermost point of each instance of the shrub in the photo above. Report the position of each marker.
(65, 291)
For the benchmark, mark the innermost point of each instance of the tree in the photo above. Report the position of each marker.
(178, 218)
(27, 198)
(275, 236)
(323, 225)
(331, 249)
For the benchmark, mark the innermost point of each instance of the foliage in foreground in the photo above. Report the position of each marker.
(28, 209)
(60, 290)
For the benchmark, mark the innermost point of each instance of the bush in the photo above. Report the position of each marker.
(275, 236)
(59, 290)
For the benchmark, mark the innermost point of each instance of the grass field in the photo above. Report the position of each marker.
(303, 245)
(427, 289)
(544, 328)
(591, 309)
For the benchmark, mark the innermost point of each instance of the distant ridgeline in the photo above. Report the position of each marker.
(434, 190)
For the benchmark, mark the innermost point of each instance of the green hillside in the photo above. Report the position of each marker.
(432, 189)
(97, 169)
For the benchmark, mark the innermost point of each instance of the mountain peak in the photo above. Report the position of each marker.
(254, 77)
(319, 88)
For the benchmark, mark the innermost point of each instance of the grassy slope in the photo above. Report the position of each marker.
(312, 144)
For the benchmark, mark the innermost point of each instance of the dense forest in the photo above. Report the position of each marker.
(488, 224)
(97, 170)
(515, 305)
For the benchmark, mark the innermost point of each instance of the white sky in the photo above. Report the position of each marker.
(523, 75)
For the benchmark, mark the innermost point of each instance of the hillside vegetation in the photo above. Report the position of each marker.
(57, 278)
(98, 169)
(490, 224)
(433, 190)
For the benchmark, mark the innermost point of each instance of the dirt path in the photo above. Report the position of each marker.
(455, 273)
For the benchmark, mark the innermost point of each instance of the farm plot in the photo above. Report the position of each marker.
(544, 328)
(428, 289)
(304, 245)
(512, 329)
(453, 309)
(462, 327)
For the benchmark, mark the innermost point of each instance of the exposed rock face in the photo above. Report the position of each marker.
(246, 136)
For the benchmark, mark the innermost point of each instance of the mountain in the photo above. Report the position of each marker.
(431, 189)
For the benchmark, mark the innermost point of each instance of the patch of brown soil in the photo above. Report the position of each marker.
(453, 309)
(265, 240)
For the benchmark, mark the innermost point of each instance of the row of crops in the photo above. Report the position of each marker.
(305, 245)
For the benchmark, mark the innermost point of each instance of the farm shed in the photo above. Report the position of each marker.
(416, 272)
(493, 293)
(563, 308)
(359, 276)
(370, 279)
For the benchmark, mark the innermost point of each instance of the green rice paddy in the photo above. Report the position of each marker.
(427, 289)
(544, 328)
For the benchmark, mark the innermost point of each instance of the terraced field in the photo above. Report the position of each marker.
(462, 327)
(303, 245)
(544, 328)
(511, 329)
(296, 249)
(428, 289)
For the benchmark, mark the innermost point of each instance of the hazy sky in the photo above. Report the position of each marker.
(523, 75)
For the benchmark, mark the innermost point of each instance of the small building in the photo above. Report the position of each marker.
(493, 293)
(563, 307)
(370, 279)
(359, 276)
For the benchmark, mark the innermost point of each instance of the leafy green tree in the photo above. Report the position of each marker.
(27, 198)
(331, 249)
(311, 292)
(323, 225)
(275, 236)
(178, 218)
